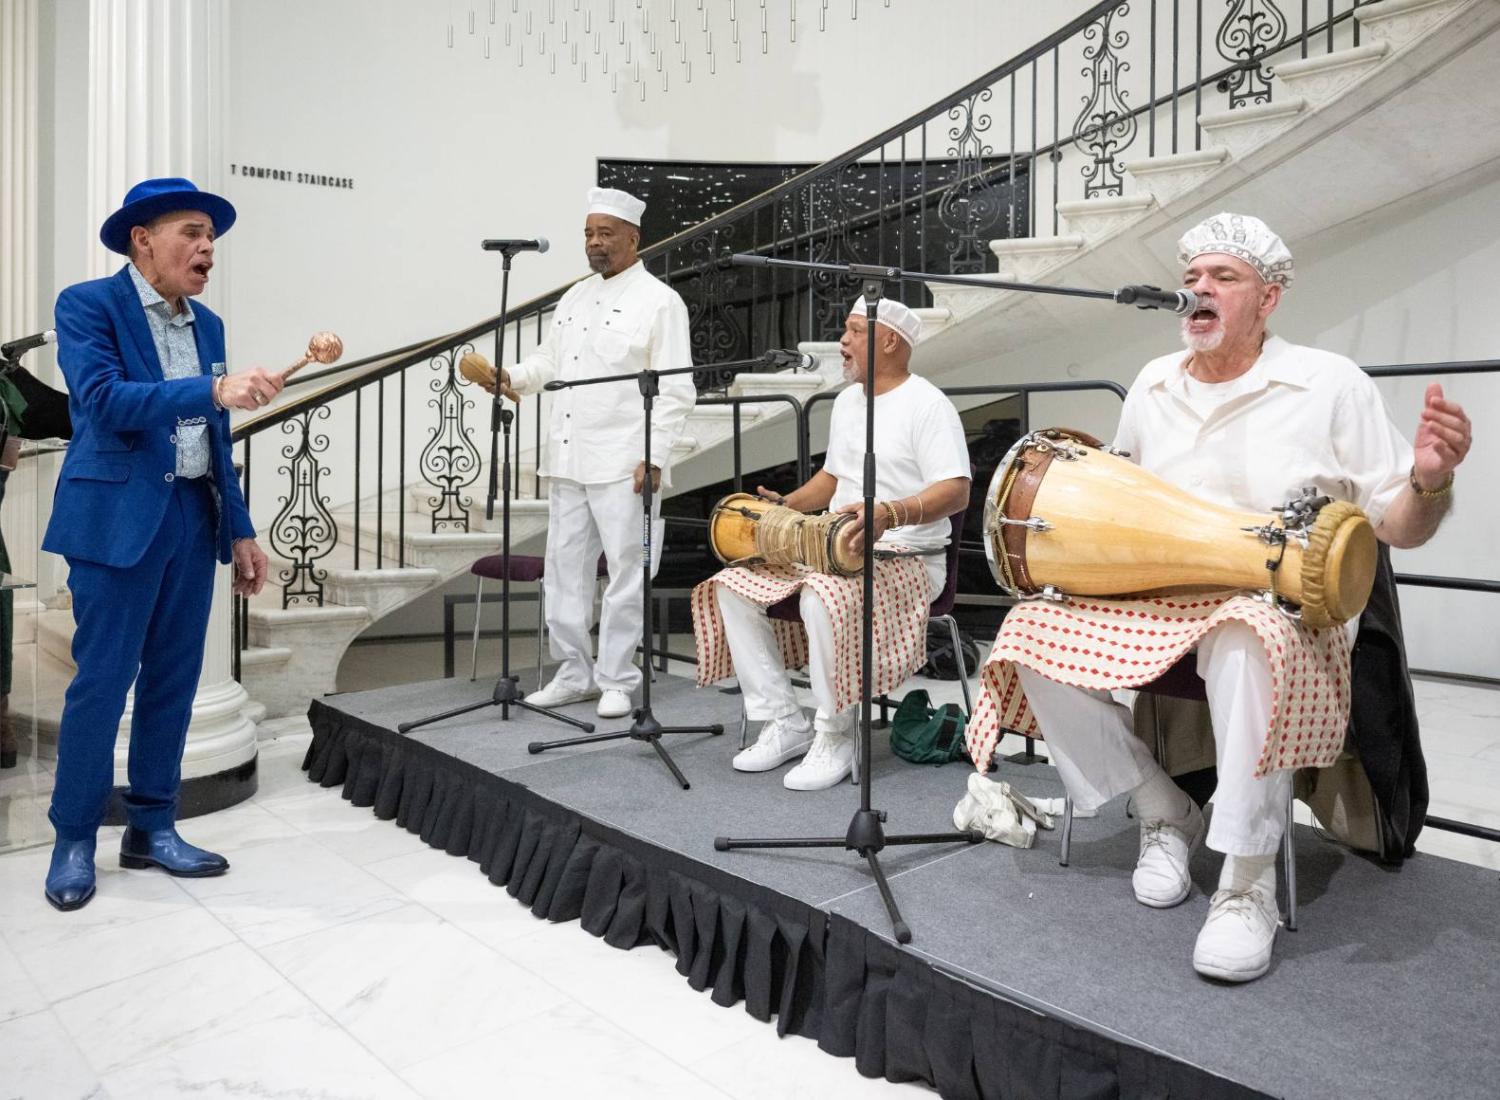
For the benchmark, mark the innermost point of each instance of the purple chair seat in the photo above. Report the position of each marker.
(523, 567)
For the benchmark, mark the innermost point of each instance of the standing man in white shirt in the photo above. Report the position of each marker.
(1244, 419)
(619, 320)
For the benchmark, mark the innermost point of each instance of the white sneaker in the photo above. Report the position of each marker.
(829, 761)
(1161, 877)
(1236, 940)
(614, 704)
(780, 740)
(558, 694)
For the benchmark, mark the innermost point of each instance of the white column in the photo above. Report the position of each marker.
(157, 107)
(19, 312)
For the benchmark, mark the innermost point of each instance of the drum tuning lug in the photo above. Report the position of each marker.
(1035, 523)
(1116, 451)
(1053, 593)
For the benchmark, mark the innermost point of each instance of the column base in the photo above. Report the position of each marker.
(202, 794)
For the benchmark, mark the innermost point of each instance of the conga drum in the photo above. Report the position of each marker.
(1065, 516)
(749, 530)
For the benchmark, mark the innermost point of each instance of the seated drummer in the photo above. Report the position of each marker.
(1244, 419)
(921, 478)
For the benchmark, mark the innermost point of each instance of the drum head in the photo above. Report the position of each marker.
(1338, 567)
(995, 500)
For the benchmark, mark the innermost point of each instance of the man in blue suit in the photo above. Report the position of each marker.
(147, 501)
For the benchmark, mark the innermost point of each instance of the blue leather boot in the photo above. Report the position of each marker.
(165, 849)
(70, 878)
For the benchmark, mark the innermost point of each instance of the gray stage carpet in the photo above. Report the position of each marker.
(1390, 987)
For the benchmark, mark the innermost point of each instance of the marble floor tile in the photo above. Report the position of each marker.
(769, 1067)
(19, 995)
(41, 1062)
(237, 829)
(287, 888)
(454, 888)
(567, 1051)
(209, 996)
(353, 832)
(303, 1056)
(65, 961)
(121, 897)
(409, 985)
(640, 991)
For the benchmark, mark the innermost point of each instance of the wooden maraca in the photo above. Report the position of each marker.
(324, 347)
(476, 368)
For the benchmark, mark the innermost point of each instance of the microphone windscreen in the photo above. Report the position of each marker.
(542, 245)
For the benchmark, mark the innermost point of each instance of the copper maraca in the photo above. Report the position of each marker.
(324, 347)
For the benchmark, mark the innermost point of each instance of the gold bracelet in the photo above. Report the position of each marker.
(1430, 494)
(890, 512)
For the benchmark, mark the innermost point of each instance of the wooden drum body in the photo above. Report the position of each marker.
(748, 530)
(1064, 516)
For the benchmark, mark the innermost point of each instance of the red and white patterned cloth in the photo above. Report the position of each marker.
(1105, 644)
(900, 624)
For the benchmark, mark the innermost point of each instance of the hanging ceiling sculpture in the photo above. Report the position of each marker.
(637, 43)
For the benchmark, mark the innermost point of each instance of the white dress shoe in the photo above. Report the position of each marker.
(780, 740)
(829, 761)
(1236, 940)
(557, 694)
(1161, 877)
(614, 704)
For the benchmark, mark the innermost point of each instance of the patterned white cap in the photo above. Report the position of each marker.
(894, 316)
(619, 204)
(1243, 236)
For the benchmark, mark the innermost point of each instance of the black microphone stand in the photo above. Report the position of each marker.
(866, 834)
(644, 726)
(507, 691)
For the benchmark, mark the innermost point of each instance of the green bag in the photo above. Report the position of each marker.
(924, 736)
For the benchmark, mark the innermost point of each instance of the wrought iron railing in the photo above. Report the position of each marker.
(992, 160)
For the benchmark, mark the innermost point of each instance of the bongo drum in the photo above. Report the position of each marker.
(1065, 516)
(749, 530)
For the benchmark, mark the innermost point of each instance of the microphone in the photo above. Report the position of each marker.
(749, 259)
(511, 247)
(26, 343)
(1180, 302)
(797, 360)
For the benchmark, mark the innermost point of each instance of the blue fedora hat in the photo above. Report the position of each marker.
(153, 198)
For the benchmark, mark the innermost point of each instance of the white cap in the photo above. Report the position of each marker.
(894, 316)
(1245, 237)
(619, 204)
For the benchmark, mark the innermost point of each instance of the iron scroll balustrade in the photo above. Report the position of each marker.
(979, 162)
(450, 462)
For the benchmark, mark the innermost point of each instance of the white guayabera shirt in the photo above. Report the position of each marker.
(627, 323)
(1298, 417)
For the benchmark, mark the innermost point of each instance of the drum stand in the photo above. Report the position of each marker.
(644, 726)
(507, 691)
(866, 834)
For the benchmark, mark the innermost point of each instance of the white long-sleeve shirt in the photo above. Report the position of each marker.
(630, 322)
(1298, 417)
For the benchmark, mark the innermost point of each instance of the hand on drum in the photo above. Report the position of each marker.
(1443, 439)
(855, 532)
(769, 494)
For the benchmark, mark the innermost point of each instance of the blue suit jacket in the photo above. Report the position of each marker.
(117, 478)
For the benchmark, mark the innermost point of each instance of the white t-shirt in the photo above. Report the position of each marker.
(919, 440)
(1298, 417)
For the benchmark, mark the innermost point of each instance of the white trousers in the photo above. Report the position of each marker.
(585, 519)
(1090, 738)
(764, 680)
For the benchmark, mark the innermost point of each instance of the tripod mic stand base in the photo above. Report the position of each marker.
(866, 837)
(507, 694)
(645, 728)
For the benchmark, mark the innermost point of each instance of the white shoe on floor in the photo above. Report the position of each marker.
(829, 761)
(614, 704)
(780, 740)
(558, 694)
(1161, 877)
(1236, 940)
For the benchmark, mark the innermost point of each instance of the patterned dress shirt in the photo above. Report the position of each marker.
(178, 352)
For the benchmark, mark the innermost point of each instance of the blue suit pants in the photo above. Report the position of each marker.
(144, 625)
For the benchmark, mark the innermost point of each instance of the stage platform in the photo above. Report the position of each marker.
(1024, 978)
